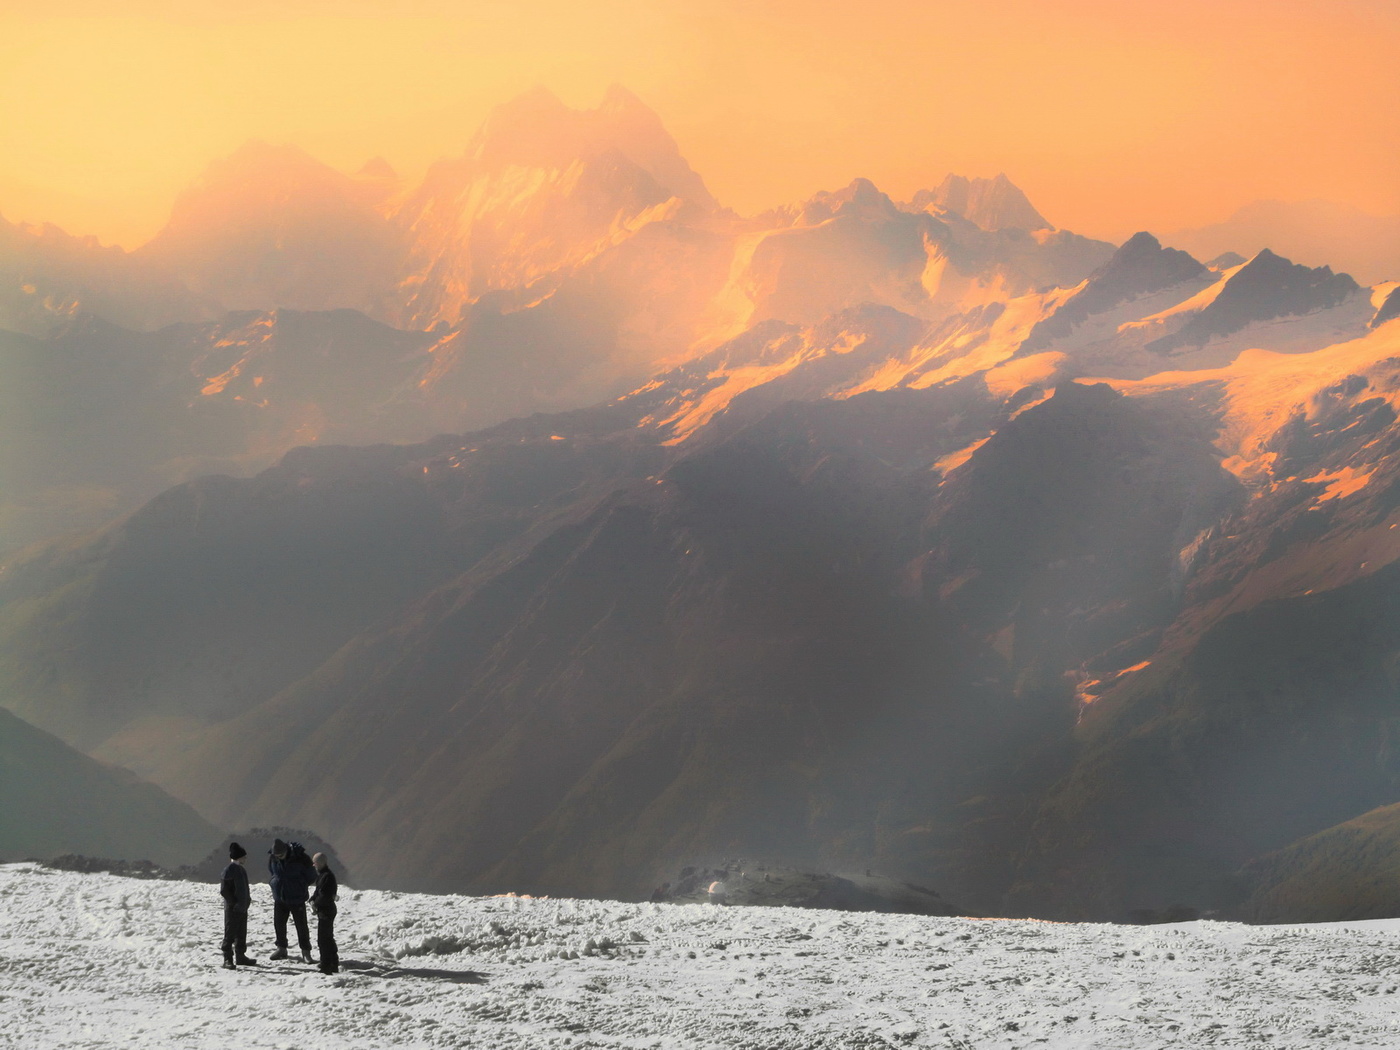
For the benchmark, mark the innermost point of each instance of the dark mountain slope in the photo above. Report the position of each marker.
(751, 651)
(1389, 309)
(557, 656)
(1351, 871)
(57, 800)
(1269, 707)
(1268, 286)
(220, 592)
(1139, 267)
(96, 418)
(692, 646)
(1280, 722)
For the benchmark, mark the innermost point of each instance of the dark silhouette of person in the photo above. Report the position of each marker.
(291, 874)
(234, 889)
(323, 904)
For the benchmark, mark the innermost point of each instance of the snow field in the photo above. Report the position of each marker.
(103, 961)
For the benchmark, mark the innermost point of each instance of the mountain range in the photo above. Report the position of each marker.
(549, 527)
(1313, 232)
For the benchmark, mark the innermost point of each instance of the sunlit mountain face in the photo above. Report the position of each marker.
(546, 525)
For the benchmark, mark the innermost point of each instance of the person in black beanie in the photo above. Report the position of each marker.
(323, 904)
(233, 888)
(291, 875)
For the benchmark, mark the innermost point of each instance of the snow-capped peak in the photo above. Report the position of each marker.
(992, 204)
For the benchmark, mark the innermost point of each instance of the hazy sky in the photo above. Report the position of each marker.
(1113, 115)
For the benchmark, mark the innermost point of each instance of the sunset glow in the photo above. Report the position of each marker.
(1111, 116)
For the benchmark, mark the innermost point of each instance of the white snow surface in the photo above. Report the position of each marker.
(104, 961)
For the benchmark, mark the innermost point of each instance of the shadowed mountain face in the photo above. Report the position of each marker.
(1347, 872)
(1389, 308)
(96, 418)
(788, 637)
(58, 801)
(1138, 268)
(1266, 287)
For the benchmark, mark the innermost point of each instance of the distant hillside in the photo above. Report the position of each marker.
(57, 800)
(1351, 871)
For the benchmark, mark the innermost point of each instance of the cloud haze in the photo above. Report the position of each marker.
(1111, 116)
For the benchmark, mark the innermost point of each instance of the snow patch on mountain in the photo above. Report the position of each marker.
(1262, 390)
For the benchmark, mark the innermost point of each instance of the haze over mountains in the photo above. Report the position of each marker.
(1312, 232)
(559, 261)
(921, 536)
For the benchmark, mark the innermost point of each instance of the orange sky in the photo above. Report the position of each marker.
(1113, 115)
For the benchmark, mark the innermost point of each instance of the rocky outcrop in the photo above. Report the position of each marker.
(1268, 286)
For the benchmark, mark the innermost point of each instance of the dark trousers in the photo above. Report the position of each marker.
(235, 930)
(297, 911)
(325, 940)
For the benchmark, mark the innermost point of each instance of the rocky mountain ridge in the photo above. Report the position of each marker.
(875, 590)
(918, 537)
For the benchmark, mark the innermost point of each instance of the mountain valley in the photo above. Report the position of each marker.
(548, 527)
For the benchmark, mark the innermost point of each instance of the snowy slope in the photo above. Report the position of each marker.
(102, 961)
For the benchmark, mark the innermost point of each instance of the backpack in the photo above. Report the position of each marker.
(298, 873)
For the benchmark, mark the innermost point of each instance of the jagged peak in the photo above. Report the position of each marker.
(1266, 287)
(1227, 261)
(258, 166)
(377, 168)
(1142, 241)
(860, 196)
(862, 189)
(1140, 266)
(1270, 266)
(537, 129)
(995, 203)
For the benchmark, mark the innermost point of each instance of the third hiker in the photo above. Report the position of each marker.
(323, 904)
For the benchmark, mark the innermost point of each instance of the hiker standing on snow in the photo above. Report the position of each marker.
(233, 888)
(323, 904)
(290, 873)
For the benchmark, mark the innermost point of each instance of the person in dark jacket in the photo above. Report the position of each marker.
(233, 888)
(323, 904)
(291, 875)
